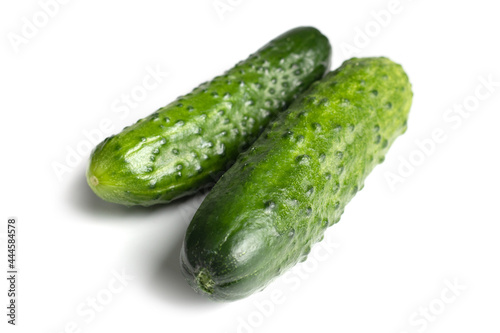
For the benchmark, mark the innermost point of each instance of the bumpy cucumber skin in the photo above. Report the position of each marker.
(189, 143)
(276, 201)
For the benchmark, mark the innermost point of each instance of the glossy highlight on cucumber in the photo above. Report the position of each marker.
(280, 196)
(186, 145)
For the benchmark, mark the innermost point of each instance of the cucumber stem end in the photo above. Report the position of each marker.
(205, 282)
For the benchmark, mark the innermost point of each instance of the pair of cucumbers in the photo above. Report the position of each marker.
(297, 145)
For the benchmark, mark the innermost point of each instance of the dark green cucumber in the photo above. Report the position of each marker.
(187, 144)
(275, 202)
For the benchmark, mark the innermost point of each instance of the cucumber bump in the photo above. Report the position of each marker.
(187, 144)
(276, 201)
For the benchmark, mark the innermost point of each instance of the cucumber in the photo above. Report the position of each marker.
(188, 144)
(275, 202)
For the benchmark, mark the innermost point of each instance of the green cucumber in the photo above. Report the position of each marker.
(189, 143)
(275, 202)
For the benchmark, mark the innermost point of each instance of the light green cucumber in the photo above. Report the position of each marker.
(189, 143)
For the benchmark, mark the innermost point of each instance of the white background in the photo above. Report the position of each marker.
(393, 255)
